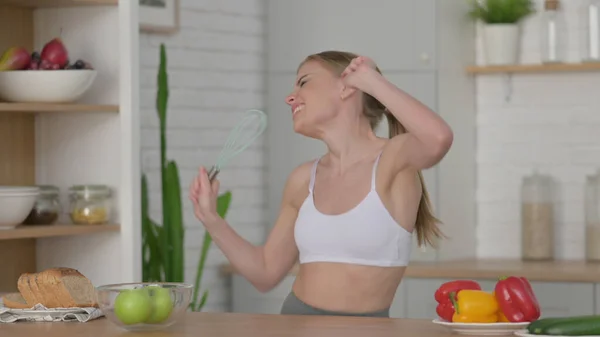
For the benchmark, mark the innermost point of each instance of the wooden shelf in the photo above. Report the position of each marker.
(44, 231)
(535, 68)
(58, 3)
(55, 107)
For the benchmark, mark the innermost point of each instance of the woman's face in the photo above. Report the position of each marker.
(315, 100)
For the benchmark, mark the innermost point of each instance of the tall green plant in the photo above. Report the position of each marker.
(162, 245)
(501, 11)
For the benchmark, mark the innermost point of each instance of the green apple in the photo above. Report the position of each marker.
(133, 306)
(162, 304)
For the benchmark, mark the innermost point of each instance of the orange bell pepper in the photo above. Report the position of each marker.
(474, 306)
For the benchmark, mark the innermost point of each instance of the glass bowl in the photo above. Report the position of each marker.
(144, 306)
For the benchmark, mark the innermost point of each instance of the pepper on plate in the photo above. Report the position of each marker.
(445, 308)
(517, 299)
(501, 317)
(474, 306)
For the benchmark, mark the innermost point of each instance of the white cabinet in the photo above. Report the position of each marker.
(597, 299)
(565, 298)
(421, 46)
(246, 299)
(399, 34)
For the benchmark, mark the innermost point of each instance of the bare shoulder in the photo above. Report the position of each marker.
(296, 187)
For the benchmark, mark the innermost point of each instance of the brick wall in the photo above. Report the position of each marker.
(551, 124)
(215, 66)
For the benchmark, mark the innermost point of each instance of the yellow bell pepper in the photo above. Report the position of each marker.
(474, 306)
(501, 317)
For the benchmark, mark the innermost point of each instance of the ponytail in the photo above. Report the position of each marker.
(426, 223)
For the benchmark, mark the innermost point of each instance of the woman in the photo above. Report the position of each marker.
(347, 217)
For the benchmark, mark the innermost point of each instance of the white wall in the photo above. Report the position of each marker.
(215, 66)
(552, 123)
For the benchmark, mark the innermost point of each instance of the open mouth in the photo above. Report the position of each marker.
(297, 109)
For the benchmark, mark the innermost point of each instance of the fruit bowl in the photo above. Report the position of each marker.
(45, 86)
(16, 202)
(144, 306)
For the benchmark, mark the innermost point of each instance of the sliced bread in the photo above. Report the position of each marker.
(57, 288)
(70, 287)
(15, 301)
(25, 289)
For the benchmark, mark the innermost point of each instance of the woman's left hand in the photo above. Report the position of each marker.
(360, 73)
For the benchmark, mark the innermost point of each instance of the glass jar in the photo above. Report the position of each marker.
(592, 217)
(47, 207)
(537, 218)
(553, 32)
(89, 204)
(590, 19)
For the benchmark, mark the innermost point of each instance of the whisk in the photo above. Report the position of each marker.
(250, 127)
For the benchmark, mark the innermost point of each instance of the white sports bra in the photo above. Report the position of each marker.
(367, 234)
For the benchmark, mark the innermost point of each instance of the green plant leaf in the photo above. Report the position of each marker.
(151, 248)
(501, 11)
(202, 301)
(173, 198)
(162, 96)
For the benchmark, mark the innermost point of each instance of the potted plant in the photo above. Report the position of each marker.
(162, 245)
(501, 27)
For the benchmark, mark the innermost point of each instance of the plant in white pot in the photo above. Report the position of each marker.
(501, 27)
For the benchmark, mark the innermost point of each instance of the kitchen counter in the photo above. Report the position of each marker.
(236, 324)
(547, 271)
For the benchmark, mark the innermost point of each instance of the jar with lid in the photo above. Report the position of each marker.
(90, 204)
(537, 217)
(592, 217)
(47, 207)
(590, 18)
(553, 32)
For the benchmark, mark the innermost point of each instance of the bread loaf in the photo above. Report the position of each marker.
(57, 288)
(14, 301)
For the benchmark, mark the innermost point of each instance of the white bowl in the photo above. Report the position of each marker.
(45, 86)
(12, 190)
(16, 202)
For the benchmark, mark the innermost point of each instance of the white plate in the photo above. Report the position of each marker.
(525, 333)
(483, 329)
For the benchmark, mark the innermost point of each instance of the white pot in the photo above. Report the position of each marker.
(501, 43)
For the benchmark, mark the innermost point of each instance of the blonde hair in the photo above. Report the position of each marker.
(426, 223)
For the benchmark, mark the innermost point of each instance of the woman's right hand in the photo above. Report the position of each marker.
(204, 195)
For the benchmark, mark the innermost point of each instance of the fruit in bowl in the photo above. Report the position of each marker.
(43, 77)
(144, 306)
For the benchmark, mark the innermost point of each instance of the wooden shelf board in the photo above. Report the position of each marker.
(58, 3)
(535, 68)
(56, 107)
(44, 231)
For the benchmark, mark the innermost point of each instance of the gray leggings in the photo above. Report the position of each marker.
(294, 306)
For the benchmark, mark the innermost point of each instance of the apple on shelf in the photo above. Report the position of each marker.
(54, 56)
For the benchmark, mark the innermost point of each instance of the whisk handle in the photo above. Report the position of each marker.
(212, 174)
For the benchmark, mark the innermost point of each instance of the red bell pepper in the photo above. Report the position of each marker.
(445, 309)
(517, 300)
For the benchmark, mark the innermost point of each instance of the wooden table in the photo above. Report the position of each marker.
(238, 325)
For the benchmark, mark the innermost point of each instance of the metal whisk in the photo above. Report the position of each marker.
(250, 127)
